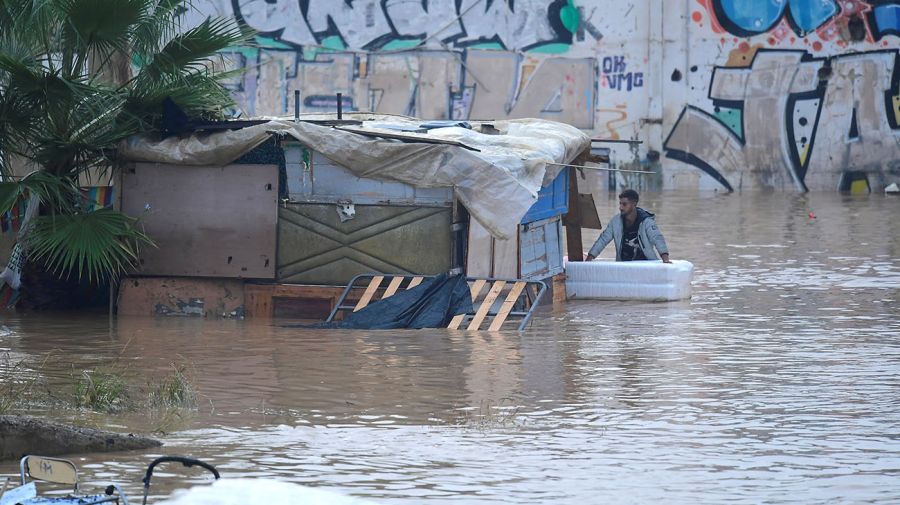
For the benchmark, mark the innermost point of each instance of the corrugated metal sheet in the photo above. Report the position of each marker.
(553, 200)
(206, 221)
(314, 178)
(541, 248)
(315, 247)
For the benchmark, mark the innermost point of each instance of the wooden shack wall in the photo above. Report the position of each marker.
(211, 221)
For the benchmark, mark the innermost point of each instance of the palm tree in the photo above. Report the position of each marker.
(68, 96)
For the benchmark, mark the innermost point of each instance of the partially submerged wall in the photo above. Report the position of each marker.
(726, 94)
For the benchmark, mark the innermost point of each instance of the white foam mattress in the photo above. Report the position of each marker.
(629, 280)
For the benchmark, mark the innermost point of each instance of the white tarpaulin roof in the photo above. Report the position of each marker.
(498, 183)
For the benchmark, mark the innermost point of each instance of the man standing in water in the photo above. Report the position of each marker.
(634, 231)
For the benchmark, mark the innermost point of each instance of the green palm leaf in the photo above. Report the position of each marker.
(67, 100)
(96, 28)
(56, 193)
(192, 50)
(98, 245)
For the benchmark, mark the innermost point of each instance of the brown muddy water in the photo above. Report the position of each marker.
(779, 382)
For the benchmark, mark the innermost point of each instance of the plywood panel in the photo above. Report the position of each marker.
(207, 221)
(315, 247)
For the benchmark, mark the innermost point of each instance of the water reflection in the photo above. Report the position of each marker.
(777, 382)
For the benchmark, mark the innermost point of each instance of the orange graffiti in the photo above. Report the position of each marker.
(714, 23)
(621, 116)
(743, 55)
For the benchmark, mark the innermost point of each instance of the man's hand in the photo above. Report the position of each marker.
(665, 258)
(589, 257)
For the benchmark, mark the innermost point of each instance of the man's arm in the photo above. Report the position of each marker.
(604, 240)
(656, 238)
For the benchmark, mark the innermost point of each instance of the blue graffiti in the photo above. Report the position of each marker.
(887, 20)
(751, 17)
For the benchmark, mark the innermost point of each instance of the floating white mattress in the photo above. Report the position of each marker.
(629, 280)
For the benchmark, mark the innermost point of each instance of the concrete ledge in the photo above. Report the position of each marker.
(20, 435)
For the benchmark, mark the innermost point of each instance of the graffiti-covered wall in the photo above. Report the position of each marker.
(724, 94)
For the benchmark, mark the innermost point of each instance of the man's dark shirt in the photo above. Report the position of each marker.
(631, 248)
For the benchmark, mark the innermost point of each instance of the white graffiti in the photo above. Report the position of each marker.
(524, 26)
(282, 18)
(767, 156)
(370, 24)
(359, 26)
(854, 130)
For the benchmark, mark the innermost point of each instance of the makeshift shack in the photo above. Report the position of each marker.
(273, 217)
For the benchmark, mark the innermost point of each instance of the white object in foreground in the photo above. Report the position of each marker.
(652, 281)
(259, 492)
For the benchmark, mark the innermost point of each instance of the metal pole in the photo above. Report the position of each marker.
(604, 169)
(618, 141)
(296, 105)
(340, 104)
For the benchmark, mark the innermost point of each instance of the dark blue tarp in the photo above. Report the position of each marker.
(431, 304)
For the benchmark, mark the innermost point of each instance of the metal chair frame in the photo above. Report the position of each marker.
(521, 292)
(26, 473)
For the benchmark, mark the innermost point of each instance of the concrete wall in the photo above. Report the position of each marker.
(725, 94)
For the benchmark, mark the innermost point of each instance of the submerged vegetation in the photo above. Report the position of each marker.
(174, 391)
(101, 390)
(20, 386)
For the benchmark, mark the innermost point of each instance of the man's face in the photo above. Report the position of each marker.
(626, 206)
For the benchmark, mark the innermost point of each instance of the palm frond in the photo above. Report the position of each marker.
(160, 24)
(198, 94)
(98, 245)
(96, 28)
(57, 193)
(192, 50)
(59, 112)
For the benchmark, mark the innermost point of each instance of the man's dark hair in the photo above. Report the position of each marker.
(630, 194)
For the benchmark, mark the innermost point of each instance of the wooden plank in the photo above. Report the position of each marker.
(475, 290)
(414, 282)
(393, 286)
(370, 292)
(258, 300)
(574, 244)
(507, 306)
(486, 304)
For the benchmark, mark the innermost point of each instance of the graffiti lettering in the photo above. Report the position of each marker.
(489, 86)
(744, 18)
(615, 77)
(376, 24)
(418, 19)
(361, 24)
(613, 64)
(886, 19)
(274, 18)
(527, 25)
(771, 94)
(877, 18)
(859, 133)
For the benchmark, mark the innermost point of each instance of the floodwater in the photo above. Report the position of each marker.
(779, 382)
